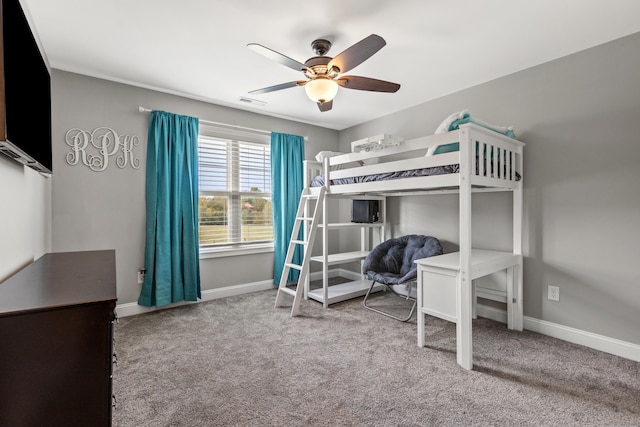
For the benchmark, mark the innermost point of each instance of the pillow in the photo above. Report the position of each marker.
(326, 154)
(454, 121)
(445, 126)
(447, 148)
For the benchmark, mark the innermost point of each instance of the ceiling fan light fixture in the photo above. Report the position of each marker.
(321, 89)
(323, 73)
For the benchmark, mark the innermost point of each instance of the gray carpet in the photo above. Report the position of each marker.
(239, 362)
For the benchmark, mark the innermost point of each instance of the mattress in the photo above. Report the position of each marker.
(319, 181)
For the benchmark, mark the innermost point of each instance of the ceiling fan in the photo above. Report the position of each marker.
(324, 73)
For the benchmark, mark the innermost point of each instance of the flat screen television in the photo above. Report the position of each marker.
(25, 91)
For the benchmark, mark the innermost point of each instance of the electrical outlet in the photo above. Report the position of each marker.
(141, 276)
(554, 293)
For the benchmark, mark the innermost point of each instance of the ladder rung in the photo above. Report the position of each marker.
(295, 266)
(302, 218)
(299, 242)
(309, 196)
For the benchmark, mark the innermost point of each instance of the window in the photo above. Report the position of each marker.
(234, 169)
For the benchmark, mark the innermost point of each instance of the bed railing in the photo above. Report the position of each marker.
(500, 164)
(311, 170)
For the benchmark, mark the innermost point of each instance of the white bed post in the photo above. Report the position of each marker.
(325, 237)
(516, 315)
(306, 179)
(464, 341)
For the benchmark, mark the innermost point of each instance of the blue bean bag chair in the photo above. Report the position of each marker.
(392, 263)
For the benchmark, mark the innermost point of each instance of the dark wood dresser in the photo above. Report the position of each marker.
(56, 341)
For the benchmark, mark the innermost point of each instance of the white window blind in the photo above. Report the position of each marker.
(234, 191)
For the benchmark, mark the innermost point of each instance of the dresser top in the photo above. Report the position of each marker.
(60, 279)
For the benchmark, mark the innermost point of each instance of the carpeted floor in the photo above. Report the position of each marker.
(239, 362)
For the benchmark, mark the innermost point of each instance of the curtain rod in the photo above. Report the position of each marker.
(209, 122)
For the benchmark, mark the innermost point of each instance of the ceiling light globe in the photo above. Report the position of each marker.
(321, 89)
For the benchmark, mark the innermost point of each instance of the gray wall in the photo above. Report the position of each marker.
(580, 119)
(106, 210)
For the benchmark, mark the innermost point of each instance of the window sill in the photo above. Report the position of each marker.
(221, 252)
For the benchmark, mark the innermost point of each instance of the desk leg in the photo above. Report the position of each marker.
(519, 309)
(474, 300)
(420, 328)
(420, 314)
(514, 298)
(464, 341)
(511, 298)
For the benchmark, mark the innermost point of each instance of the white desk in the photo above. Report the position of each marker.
(439, 281)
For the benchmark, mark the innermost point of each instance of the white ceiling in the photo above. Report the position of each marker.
(197, 48)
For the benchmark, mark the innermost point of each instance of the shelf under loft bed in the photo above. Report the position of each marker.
(342, 257)
(352, 225)
(343, 291)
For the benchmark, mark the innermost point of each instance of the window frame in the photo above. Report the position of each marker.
(235, 136)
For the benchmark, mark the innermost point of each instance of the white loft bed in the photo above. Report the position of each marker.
(473, 171)
(499, 168)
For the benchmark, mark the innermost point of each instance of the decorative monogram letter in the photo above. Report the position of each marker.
(107, 143)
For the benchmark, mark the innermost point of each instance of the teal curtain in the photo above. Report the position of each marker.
(171, 248)
(287, 157)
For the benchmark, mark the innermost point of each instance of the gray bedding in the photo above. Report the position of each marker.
(438, 170)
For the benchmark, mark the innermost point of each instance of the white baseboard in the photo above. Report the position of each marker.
(565, 333)
(132, 308)
(491, 313)
(597, 342)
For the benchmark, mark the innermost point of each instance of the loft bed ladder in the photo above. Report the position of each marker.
(302, 217)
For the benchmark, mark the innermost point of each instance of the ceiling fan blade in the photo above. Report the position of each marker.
(279, 87)
(357, 54)
(277, 56)
(367, 83)
(325, 106)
